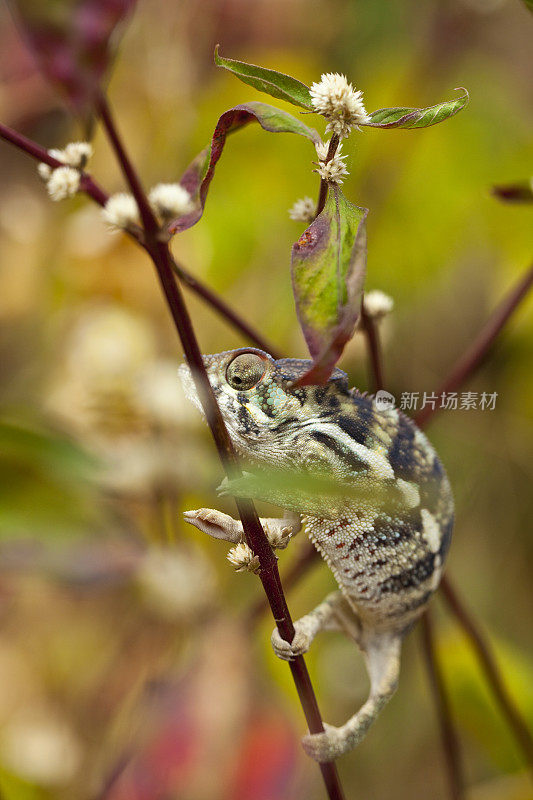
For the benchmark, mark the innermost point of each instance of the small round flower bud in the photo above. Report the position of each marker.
(170, 200)
(76, 154)
(243, 559)
(303, 210)
(377, 304)
(121, 211)
(63, 182)
(44, 171)
(339, 103)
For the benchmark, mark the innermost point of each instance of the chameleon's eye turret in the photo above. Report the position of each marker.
(245, 371)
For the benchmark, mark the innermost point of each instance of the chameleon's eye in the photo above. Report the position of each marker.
(245, 371)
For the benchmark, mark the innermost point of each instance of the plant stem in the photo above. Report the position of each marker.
(468, 363)
(375, 359)
(227, 313)
(487, 659)
(254, 534)
(449, 738)
(323, 190)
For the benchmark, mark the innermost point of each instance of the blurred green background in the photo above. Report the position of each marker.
(124, 655)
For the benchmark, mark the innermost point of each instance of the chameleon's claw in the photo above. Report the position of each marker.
(287, 651)
(326, 746)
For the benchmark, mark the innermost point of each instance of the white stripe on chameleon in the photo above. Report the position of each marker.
(430, 530)
(410, 492)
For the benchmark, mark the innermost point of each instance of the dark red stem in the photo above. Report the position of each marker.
(449, 738)
(476, 353)
(374, 351)
(486, 657)
(254, 534)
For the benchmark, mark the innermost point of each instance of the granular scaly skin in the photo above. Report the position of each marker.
(387, 556)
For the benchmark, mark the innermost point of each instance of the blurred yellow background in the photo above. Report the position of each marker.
(123, 651)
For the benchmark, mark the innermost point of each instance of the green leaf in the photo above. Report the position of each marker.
(276, 84)
(316, 493)
(515, 192)
(417, 117)
(198, 176)
(529, 4)
(328, 272)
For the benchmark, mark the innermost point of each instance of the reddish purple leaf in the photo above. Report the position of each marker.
(199, 174)
(328, 273)
(71, 40)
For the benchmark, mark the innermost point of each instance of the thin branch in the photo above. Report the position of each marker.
(478, 350)
(254, 534)
(231, 316)
(487, 659)
(440, 695)
(375, 358)
(307, 557)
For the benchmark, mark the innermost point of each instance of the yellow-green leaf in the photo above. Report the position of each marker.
(274, 83)
(417, 117)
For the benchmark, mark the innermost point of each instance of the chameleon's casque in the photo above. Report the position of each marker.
(387, 557)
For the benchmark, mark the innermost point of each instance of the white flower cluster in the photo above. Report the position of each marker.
(63, 182)
(377, 304)
(167, 201)
(334, 170)
(339, 103)
(243, 559)
(303, 210)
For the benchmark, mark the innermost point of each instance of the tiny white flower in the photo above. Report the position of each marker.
(121, 211)
(303, 210)
(170, 200)
(339, 103)
(322, 149)
(377, 304)
(44, 171)
(333, 171)
(76, 154)
(63, 182)
(243, 559)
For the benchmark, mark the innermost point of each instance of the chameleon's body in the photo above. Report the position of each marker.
(387, 558)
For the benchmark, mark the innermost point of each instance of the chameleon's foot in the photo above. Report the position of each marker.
(215, 524)
(299, 645)
(326, 746)
(278, 531)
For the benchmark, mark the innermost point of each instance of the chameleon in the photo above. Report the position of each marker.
(386, 550)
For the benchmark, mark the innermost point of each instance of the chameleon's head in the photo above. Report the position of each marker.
(258, 399)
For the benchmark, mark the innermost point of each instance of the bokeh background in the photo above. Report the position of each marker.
(128, 670)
